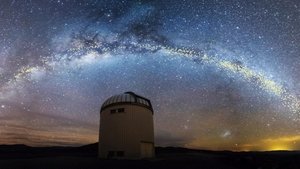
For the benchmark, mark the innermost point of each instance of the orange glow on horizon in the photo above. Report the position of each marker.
(278, 147)
(285, 143)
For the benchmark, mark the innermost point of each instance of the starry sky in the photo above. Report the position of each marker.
(221, 74)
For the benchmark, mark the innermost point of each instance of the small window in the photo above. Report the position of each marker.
(119, 110)
(110, 154)
(120, 153)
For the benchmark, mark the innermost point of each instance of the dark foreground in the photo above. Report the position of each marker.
(20, 156)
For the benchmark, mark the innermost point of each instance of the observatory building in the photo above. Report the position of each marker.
(126, 127)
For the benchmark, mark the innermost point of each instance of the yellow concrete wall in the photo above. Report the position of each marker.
(124, 131)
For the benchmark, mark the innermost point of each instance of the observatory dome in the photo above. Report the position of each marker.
(126, 127)
(127, 98)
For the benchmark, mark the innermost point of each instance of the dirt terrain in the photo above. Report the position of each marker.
(85, 157)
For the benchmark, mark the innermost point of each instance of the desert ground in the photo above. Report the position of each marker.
(85, 157)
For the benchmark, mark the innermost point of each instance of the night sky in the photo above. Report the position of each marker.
(220, 74)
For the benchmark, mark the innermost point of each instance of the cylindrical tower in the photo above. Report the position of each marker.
(126, 127)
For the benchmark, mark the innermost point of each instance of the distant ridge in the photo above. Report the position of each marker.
(24, 151)
(22, 156)
(189, 150)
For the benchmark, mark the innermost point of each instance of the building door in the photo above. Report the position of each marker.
(147, 150)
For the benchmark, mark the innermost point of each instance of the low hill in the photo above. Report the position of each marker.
(85, 157)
